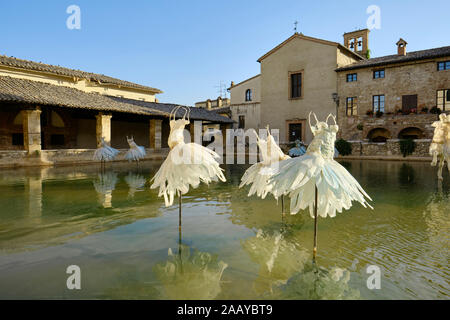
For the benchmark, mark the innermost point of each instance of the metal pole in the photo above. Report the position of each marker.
(179, 211)
(315, 225)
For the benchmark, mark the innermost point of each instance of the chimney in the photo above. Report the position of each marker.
(208, 104)
(232, 84)
(401, 47)
(219, 102)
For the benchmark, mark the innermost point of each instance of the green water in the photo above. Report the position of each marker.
(127, 244)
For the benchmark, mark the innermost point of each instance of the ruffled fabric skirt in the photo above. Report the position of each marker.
(298, 177)
(105, 153)
(136, 153)
(186, 165)
(257, 176)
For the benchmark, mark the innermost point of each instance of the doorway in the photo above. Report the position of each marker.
(295, 132)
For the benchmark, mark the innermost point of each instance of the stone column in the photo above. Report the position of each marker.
(155, 134)
(103, 128)
(32, 130)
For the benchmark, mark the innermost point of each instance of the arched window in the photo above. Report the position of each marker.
(248, 95)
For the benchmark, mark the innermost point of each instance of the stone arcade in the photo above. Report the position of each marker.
(50, 114)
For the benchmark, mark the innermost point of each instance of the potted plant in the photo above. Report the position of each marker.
(435, 110)
(399, 111)
(369, 113)
(379, 113)
(360, 126)
(424, 110)
(413, 111)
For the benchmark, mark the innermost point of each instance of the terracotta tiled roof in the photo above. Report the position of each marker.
(395, 58)
(42, 67)
(35, 92)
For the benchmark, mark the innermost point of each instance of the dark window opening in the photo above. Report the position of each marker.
(241, 122)
(295, 132)
(17, 139)
(444, 65)
(57, 139)
(296, 85)
(248, 95)
(377, 74)
(351, 77)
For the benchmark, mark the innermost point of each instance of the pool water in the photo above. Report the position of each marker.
(127, 244)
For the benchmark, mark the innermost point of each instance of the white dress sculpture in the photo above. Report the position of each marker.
(315, 180)
(187, 164)
(259, 173)
(105, 152)
(440, 145)
(135, 152)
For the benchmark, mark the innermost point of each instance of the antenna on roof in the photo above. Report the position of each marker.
(295, 26)
(222, 89)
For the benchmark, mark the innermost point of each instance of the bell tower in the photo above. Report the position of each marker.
(357, 41)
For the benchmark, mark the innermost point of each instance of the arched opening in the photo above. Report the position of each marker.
(410, 133)
(17, 131)
(378, 135)
(248, 95)
(53, 130)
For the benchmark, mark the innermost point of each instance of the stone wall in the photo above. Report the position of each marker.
(64, 157)
(389, 148)
(419, 78)
(394, 124)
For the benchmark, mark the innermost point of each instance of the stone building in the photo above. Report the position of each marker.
(391, 97)
(54, 114)
(213, 104)
(297, 76)
(246, 103)
(375, 99)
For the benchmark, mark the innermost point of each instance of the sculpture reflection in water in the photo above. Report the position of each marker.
(136, 183)
(436, 216)
(190, 274)
(104, 186)
(316, 283)
(286, 272)
(278, 254)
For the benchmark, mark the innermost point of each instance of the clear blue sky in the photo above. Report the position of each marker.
(185, 48)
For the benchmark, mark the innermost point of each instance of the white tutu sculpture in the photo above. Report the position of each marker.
(440, 145)
(316, 180)
(259, 173)
(187, 164)
(135, 152)
(105, 152)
